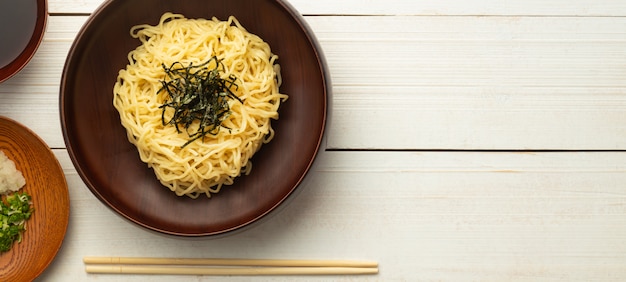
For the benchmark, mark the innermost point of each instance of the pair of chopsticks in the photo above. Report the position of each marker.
(215, 266)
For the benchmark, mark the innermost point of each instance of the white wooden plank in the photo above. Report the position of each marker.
(423, 216)
(429, 83)
(458, 7)
(418, 7)
(476, 82)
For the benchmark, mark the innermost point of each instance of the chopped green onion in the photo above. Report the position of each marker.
(14, 212)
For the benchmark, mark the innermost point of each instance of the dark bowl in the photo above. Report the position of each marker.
(24, 22)
(110, 165)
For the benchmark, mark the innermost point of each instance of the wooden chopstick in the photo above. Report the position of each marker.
(229, 262)
(207, 266)
(141, 269)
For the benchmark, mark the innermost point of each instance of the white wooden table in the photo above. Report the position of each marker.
(471, 140)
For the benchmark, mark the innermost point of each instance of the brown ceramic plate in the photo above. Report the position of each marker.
(22, 26)
(110, 165)
(45, 182)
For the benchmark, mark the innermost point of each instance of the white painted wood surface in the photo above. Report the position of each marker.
(428, 216)
(438, 162)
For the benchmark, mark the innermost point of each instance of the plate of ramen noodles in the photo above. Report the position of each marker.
(194, 118)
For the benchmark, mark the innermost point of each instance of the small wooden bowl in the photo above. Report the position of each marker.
(29, 49)
(46, 183)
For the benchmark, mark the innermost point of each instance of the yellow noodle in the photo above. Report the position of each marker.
(203, 166)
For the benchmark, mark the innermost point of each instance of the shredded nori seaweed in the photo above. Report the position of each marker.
(197, 93)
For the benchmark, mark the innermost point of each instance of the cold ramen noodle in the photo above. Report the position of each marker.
(196, 99)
